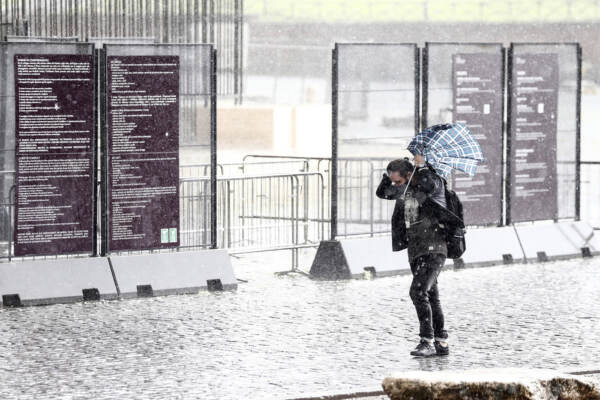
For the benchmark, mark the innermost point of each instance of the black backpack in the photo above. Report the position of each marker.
(454, 225)
(451, 217)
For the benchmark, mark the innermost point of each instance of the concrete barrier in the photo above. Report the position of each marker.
(64, 280)
(555, 241)
(581, 235)
(187, 272)
(490, 246)
(354, 257)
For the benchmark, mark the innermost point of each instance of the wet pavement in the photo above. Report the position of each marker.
(288, 336)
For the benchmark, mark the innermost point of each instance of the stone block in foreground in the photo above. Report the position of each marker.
(492, 384)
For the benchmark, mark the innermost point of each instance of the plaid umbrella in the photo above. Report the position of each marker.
(447, 147)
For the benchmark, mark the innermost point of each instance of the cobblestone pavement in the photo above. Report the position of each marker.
(282, 337)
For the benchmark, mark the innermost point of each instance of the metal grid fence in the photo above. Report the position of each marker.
(365, 138)
(375, 112)
(261, 212)
(219, 22)
(285, 211)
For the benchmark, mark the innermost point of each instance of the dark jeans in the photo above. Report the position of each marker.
(425, 296)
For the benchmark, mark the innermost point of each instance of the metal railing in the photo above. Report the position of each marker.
(255, 212)
(360, 212)
(260, 211)
(252, 168)
(220, 22)
(272, 212)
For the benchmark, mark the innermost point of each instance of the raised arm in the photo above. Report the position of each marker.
(386, 190)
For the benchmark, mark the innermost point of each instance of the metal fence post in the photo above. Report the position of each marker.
(508, 133)
(227, 233)
(295, 183)
(578, 137)
(305, 187)
(213, 149)
(12, 224)
(236, 56)
(504, 158)
(334, 140)
(425, 84)
(321, 202)
(372, 201)
(241, 66)
(417, 88)
(102, 70)
(95, 159)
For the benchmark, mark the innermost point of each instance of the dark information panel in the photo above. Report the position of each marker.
(54, 149)
(478, 104)
(534, 103)
(143, 145)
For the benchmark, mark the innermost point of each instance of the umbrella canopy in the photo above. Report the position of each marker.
(447, 147)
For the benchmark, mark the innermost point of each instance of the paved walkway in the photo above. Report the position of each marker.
(278, 337)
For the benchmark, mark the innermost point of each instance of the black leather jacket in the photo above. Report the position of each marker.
(424, 236)
(387, 191)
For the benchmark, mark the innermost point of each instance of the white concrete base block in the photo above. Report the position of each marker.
(491, 246)
(173, 273)
(376, 252)
(557, 240)
(38, 282)
(581, 234)
(352, 258)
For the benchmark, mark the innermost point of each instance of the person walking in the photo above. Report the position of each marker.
(419, 193)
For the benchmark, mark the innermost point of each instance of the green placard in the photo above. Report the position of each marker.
(164, 235)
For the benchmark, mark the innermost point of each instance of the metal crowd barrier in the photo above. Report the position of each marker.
(256, 212)
(268, 203)
(257, 167)
(360, 212)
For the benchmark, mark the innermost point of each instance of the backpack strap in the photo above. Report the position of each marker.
(430, 167)
(446, 191)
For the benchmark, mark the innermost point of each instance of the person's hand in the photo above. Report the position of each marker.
(385, 179)
(419, 160)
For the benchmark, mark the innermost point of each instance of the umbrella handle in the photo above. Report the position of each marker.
(409, 180)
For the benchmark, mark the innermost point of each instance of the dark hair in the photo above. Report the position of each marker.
(402, 166)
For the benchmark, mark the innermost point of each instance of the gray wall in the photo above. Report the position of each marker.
(281, 49)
